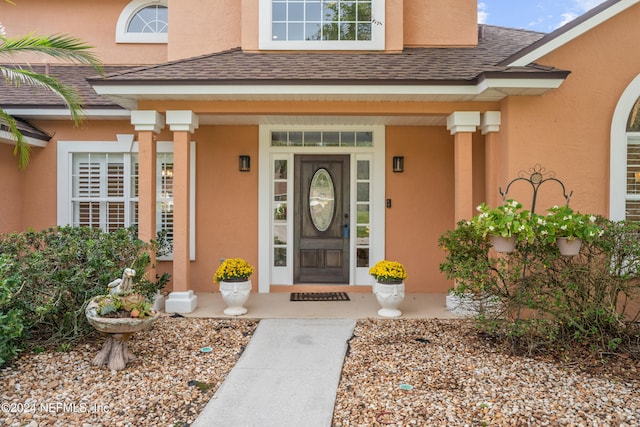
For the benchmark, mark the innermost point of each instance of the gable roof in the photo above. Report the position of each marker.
(454, 74)
(568, 32)
(412, 64)
(439, 74)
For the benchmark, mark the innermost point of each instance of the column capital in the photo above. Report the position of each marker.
(182, 120)
(463, 121)
(145, 120)
(490, 121)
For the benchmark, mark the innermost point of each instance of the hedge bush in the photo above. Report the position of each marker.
(11, 325)
(51, 275)
(591, 300)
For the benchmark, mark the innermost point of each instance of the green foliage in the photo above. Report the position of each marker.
(60, 269)
(11, 326)
(130, 304)
(59, 47)
(562, 221)
(505, 220)
(559, 301)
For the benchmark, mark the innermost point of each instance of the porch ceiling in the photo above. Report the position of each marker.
(289, 120)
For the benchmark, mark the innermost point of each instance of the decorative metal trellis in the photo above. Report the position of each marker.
(535, 176)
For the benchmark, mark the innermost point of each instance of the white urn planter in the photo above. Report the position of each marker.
(235, 295)
(503, 244)
(389, 296)
(570, 247)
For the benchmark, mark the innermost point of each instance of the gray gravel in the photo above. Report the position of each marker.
(397, 372)
(440, 373)
(168, 384)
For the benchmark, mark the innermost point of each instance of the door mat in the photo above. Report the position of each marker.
(319, 296)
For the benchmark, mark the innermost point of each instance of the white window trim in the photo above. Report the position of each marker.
(66, 149)
(618, 151)
(377, 41)
(122, 36)
(267, 153)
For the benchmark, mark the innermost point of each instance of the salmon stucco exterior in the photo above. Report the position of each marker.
(315, 138)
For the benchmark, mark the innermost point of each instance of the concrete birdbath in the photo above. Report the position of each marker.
(130, 314)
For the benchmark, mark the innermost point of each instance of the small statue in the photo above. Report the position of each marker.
(120, 286)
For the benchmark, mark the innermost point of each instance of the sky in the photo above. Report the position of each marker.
(536, 15)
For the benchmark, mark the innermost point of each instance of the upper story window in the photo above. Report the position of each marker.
(322, 24)
(143, 21)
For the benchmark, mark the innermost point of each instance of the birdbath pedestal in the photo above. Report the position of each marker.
(114, 353)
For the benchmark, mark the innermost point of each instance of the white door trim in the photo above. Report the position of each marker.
(268, 274)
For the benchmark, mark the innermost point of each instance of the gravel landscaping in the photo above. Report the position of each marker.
(169, 383)
(442, 373)
(397, 372)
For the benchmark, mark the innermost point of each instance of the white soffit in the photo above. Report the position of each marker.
(8, 138)
(487, 90)
(573, 33)
(64, 113)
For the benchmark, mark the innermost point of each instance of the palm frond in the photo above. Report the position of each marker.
(57, 46)
(18, 76)
(22, 150)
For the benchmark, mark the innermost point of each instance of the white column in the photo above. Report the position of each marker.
(489, 126)
(182, 123)
(462, 124)
(147, 123)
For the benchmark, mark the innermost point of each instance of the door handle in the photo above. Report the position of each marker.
(345, 227)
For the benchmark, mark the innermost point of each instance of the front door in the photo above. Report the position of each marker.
(321, 219)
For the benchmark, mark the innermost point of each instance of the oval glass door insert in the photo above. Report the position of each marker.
(322, 199)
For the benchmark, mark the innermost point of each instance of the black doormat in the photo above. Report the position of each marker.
(319, 296)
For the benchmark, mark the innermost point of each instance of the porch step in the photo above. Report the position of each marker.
(287, 376)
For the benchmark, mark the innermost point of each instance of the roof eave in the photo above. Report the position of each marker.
(61, 112)
(489, 86)
(568, 32)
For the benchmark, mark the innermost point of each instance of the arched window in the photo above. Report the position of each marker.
(632, 199)
(624, 156)
(143, 21)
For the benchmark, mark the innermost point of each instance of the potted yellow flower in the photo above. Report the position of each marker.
(389, 286)
(235, 286)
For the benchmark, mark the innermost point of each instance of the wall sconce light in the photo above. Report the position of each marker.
(398, 163)
(637, 177)
(245, 163)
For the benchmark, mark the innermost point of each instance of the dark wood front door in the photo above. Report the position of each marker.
(321, 224)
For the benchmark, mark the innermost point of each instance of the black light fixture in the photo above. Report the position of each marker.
(245, 163)
(398, 163)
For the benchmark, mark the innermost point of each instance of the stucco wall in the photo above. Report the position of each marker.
(10, 189)
(227, 201)
(422, 203)
(93, 21)
(198, 27)
(568, 130)
(440, 23)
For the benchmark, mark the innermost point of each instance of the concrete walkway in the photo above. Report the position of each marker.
(287, 376)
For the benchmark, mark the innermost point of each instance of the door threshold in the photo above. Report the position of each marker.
(320, 287)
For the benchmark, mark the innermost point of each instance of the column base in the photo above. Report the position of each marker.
(181, 302)
(472, 305)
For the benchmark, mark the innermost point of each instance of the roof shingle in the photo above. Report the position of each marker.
(412, 64)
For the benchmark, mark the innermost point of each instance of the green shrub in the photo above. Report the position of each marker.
(11, 326)
(558, 301)
(60, 269)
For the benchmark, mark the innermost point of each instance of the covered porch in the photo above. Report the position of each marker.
(362, 305)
